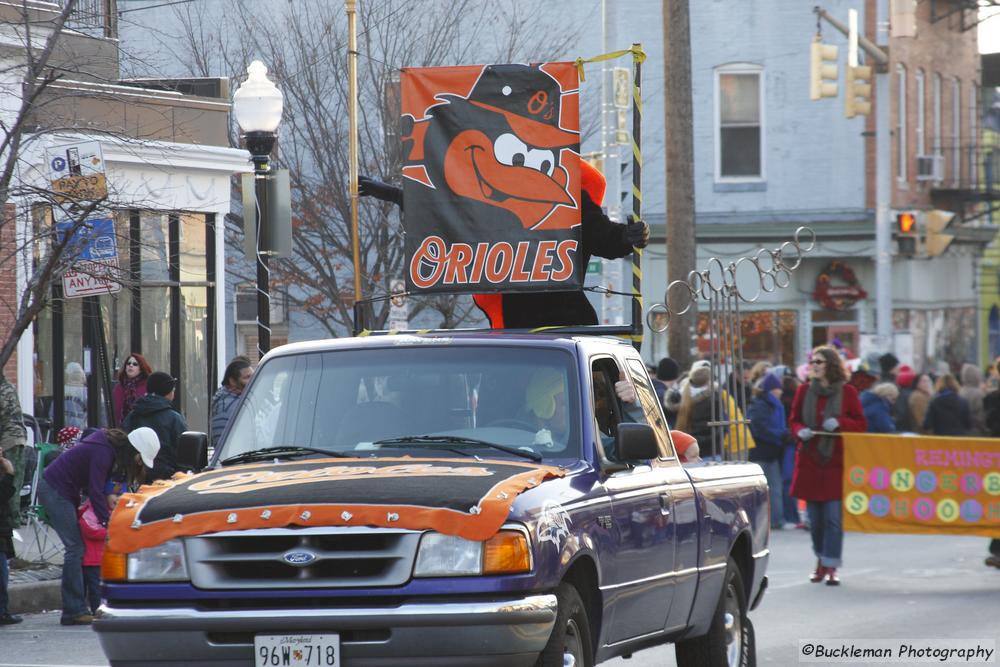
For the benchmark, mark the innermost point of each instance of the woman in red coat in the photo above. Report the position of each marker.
(825, 404)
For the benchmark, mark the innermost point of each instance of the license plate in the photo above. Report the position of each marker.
(297, 650)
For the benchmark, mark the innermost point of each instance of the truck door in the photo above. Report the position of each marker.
(638, 589)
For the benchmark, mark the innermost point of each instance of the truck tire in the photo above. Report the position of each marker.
(570, 644)
(729, 642)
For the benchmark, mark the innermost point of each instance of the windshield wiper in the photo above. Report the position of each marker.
(460, 440)
(286, 451)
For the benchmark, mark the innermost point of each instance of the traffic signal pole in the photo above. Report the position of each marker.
(883, 172)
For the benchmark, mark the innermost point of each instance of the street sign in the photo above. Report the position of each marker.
(91, 279)
(77, 170)
(594, 266)
(94, 239)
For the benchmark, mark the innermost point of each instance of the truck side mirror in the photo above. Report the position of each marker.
(192, 451)
(637, 442)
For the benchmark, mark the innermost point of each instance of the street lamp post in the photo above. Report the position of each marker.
(257, 106)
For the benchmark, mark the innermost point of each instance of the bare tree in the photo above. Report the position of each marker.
(34, 76)
(306, 48)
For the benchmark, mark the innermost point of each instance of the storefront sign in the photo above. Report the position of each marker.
(492, 177)
(924, 485)
(77, 170)
(91, 279)
(837, 288)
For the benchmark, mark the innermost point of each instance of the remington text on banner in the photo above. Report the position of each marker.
(491, 184)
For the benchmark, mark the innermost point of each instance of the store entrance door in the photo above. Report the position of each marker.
(845, 336)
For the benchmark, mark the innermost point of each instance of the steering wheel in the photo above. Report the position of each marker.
(515, 423)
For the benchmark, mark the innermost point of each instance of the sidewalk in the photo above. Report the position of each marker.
(34, 584)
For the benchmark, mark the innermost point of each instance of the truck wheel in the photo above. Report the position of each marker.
(729, 640)
(569, 645)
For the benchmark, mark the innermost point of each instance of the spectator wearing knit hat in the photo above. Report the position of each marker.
(889, 365)
(667, 372)
(156, 411)
(770, 431)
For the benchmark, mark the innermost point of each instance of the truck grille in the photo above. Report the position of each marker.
(340, 558)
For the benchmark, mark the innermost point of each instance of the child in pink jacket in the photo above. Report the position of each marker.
(93, 550)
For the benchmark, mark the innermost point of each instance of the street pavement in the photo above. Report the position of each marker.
(894, 587)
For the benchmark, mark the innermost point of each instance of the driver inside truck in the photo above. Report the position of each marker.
(545, 403)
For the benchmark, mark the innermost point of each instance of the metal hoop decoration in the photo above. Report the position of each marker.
(761, 275)
(774, 271)
(653, 317)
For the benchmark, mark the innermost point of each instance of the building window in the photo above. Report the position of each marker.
(956, 130)
(918, 131)
(901, 123)
(739, 140)
(767, 335)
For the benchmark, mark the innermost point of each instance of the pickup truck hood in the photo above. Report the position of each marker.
(456, 496)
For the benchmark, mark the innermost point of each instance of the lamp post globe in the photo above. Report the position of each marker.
(257, 105)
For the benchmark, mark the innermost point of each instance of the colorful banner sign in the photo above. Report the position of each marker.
(491, 185)
(910, 484)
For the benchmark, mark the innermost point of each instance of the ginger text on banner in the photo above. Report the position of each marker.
(491, 184)
(924, 485)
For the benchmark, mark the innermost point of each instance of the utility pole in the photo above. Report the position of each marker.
(883, 190)
(680, 173)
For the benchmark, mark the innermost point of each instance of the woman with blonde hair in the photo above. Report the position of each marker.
(948, 413)
(824, 407)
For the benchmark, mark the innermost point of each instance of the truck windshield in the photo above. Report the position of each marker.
(371, 402)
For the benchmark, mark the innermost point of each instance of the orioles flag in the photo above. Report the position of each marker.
(491, 182)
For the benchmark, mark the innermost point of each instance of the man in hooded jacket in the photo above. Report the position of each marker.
(156, 411)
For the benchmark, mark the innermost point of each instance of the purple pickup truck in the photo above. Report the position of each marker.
(469, 499)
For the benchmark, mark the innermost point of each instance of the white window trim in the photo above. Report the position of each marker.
(936, 104)
(973, 133)
(956, 130)
(738, 68)
(902, 168)
(919, 130)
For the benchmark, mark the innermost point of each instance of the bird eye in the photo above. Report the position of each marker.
(510, 150)
(542, 160)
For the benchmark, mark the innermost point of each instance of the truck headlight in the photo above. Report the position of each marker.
(440, 555)
(164, 562)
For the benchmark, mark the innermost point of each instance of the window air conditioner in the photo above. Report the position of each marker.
(930, 167)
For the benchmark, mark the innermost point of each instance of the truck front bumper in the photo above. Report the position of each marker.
(419, 632)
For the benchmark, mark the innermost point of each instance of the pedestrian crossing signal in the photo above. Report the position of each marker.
(906, 239)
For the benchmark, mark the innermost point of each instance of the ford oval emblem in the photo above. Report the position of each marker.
(298, 558)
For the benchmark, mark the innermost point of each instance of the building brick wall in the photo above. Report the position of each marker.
(8, 283)
(939, 48)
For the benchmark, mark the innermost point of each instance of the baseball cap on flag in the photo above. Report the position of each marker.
(146, 443)
(529, 99)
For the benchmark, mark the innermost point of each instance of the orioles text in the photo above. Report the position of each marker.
(437, 262)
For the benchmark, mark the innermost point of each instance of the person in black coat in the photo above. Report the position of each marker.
(948, 413)
(6, 538)
(156, 411)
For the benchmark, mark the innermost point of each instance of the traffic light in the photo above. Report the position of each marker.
(858, 91)
(906, 233)
(937, 240)
(823, 70)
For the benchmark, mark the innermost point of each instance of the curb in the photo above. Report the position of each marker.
(35, 597)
